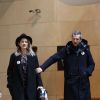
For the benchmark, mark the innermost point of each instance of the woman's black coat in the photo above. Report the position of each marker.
(15, 77)
(78, 66)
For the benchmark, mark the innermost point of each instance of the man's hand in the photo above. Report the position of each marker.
(39, 70)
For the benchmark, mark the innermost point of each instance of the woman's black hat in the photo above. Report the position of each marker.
(18, 39)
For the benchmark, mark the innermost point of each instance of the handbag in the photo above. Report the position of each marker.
(42, 94)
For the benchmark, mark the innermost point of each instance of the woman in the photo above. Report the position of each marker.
(21, 76)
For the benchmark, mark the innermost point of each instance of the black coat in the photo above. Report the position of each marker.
(78, 66)
(15, 78)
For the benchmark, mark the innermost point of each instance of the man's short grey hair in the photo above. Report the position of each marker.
(77, 33)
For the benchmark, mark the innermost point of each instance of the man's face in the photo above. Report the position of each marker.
(76, 40)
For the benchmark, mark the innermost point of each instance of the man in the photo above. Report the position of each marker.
(78, 66)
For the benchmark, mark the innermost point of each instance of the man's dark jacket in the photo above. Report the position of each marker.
(78, 66)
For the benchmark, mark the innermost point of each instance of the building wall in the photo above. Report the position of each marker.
(52, 27)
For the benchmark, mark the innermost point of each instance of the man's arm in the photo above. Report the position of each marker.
(51, 60)
(90, 63)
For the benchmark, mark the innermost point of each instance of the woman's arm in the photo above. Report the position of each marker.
(10, 72)
(38, 76)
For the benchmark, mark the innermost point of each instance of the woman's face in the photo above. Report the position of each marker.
(24, 43)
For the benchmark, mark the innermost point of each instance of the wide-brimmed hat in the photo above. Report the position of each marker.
(23, 35)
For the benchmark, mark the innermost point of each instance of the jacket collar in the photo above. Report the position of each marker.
(31, 53)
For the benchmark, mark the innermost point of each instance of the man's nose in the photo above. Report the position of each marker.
(75, 40)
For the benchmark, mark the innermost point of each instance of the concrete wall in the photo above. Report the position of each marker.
(52, 27)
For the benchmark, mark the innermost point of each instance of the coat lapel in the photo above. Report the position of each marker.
(18, 61)
(29, 59)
